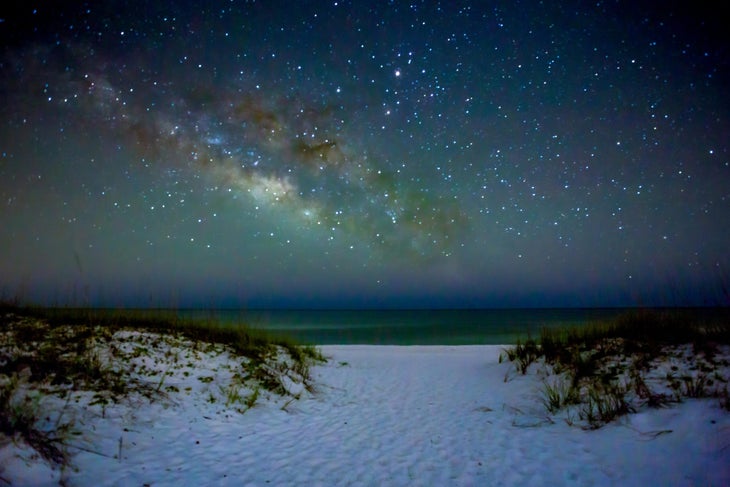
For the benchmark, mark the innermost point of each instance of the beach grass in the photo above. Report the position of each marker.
(21, 415)
(249, 342)
(62, 351)
(604, 370)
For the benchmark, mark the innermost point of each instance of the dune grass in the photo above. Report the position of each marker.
(603, 370)
(640, 331)
(60, 351)
(246, 341)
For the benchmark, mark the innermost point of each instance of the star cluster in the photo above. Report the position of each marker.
(355, 154)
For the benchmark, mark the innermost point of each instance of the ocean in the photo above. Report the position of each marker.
(407, 327)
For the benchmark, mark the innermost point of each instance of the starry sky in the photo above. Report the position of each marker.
(364, 154)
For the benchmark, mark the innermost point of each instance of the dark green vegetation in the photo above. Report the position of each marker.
(245, 341)
(604, 370)
(51, 357)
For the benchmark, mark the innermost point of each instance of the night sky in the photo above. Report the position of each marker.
(364, 154)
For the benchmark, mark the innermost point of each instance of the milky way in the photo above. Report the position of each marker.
(336, 154)
(278, 151)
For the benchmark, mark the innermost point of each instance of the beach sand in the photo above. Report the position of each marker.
(387, 415)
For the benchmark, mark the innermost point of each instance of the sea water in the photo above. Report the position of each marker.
(407, 327)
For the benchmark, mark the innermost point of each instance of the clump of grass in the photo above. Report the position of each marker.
(558, 393)
(695, 386)
(582, 364)
(250, 400)
(20, 414)
(603, 404)
(232, 394)
(645, 394)
(523, 354)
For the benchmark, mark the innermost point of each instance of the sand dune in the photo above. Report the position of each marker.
(385, 415)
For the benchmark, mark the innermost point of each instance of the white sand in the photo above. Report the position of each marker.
(390, 416)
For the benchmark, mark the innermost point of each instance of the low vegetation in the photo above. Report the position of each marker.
(605, 370)
(50, 358)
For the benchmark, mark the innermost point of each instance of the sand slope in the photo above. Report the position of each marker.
(396, 416)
